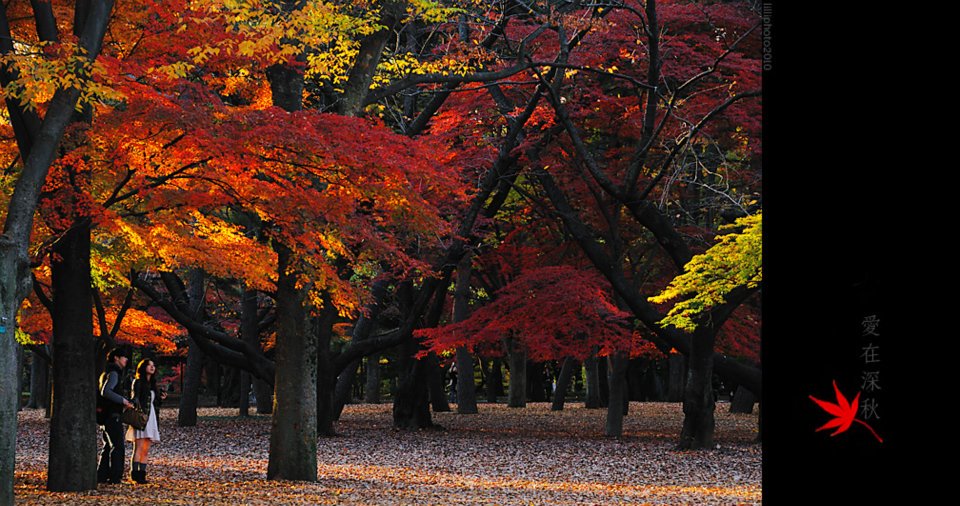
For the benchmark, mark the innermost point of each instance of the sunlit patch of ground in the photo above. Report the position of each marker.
(499, 456)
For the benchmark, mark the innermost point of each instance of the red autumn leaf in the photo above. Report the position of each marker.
(845, 413)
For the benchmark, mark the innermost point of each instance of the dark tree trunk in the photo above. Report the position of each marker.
(372, 390)
(326, 386)
(466, 383)
(635, 375)
(698, 402)
(603, 383)
(39, 377)
(411, 408)
(361, 75)
(536, 389)
(38, 145)
(326, 381)
(189, 397)
(264, 395)
(466, 388)
(361, 332)
(187, 415)
(592, 380)
(677, 367)
(211, 374)
(742, 401)
(229, 395)
(410, 397)
(342, 394)
(245, 386)
(616, 406)
(435, 375)
(249, 332)
(293, 434)
(495, 380)
(72, 459)
(411, 405)
(12, 263)
(368, 57)
(436, 378)
(517, 397)
(49, 411)
(563, 382)
(651, 384)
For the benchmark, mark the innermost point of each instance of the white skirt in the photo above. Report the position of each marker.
(151, 432)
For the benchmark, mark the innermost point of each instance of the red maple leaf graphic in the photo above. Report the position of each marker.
(845, 413)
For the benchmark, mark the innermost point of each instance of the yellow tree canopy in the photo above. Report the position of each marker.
(734, 261)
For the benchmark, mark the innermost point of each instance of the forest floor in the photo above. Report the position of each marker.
(499, 456)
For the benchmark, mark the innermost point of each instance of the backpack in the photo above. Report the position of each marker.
(103, 405)
(101, 409)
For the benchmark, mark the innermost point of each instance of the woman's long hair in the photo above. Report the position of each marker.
(142, 373)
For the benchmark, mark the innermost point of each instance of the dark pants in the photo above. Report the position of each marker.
(111, 458)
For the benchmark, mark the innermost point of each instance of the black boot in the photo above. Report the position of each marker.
(134, 471)
(143, 473)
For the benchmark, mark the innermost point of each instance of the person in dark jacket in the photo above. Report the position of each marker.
(110, 469)
(147, 397)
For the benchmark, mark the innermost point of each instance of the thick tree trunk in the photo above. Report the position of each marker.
(326, 386)
(563, 382)
(411, 404)
(466, 388)
(603, 383)
(372, 390)
(342, 394)
(536, 389)
(229, 394)
(677, 367)
(436, 381)
(698, 402)
(742, 401)
(592, 380)
(72, 458)
(245, 387)
(293, 434)
(249, 332)
(10, 267)
(38, 149)
(517, 396)
(361, 332)
(495, 380)
(39, 377)
(189, 397)
(466, 385)
(8, 364)
(325, 374)
(616, 406)
(211, 375)
(651, 384)
(635, 375)
(368, 57)
(263, 392)
(187, 415)
(411, 408)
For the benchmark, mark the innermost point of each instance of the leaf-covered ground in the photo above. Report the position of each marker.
(499, 456)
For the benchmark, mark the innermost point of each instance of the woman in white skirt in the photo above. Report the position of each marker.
(146, 396)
